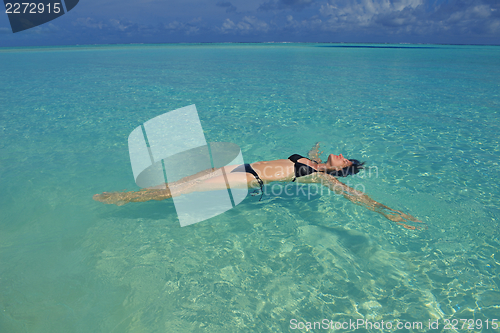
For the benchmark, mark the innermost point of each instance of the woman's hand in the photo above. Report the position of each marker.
(314, 153)
(400, 217)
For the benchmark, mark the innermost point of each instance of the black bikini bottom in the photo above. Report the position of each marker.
(248, 169)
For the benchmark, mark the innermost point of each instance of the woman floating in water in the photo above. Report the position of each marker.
(255, 175)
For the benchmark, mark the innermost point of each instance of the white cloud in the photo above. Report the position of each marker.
(118, 25)
(365, 10)
(89, 23)
(249, 24)
(328, 9)
(228, 25)
(181, 27)
(406, 16)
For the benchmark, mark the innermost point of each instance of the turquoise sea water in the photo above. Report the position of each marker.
(426, 118)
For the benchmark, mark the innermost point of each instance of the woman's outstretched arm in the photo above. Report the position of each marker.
(359, 198)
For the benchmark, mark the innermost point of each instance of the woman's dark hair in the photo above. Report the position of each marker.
(353, 169)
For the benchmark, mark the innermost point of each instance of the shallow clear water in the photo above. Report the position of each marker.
(425, 118)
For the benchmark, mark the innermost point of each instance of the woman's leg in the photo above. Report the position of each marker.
(229, 180)
(208, 180)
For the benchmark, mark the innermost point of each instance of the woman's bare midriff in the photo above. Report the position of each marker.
(277, 170)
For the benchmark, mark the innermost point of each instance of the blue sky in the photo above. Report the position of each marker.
(355, 21)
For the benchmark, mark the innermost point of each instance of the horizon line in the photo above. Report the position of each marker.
(218, 43)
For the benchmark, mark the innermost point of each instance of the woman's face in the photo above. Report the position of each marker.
(337, 162)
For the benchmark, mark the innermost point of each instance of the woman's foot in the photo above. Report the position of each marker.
(110, 198)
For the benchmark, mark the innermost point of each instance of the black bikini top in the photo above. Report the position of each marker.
(301, 169)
